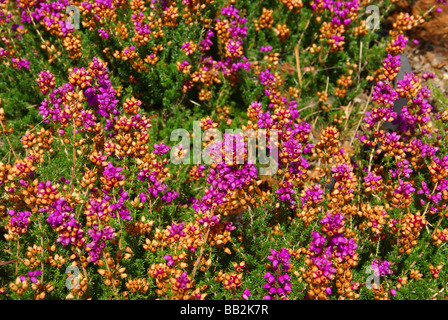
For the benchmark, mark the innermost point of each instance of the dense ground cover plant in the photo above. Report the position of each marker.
(89, 183)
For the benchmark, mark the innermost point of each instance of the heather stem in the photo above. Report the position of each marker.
(9, 142)
(74, 160)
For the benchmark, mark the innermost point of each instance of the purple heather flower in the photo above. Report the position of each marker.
(33, 274)
(246, 294)
(267, 78)
(103, 34)
(161, 148)
(381, 268)
(265, 48)
(384, 94)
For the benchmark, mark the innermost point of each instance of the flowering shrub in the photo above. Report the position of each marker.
(91, 180)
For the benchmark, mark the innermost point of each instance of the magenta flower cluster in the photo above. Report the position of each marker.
(20, 220)
(98, 243)
(62, 220)
(312, 196)
(381, 268)
(279, 283)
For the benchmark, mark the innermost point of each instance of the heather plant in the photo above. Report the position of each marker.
(96, 202)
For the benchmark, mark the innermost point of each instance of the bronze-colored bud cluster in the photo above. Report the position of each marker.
(131, 55)
(19, 286)
(191, 240)
(323, 96)
(33, 262)
(133, 144)
(265, 21)
(401, 281)
(205, 264)
(137, 5)
(222, 30)
(439, 236)
(317, 282)
(404, 22)
(293, 5)
(167, 282)
(6, 130)
(89, 178)
(342, 192)
(113, 273)
(240, 199)
(294, 92)
(97, 158)
(415, 274)
(28, 140)
(28, 194)
(435, 270)
(360, 30)
(205, 94)
(374, 185)
(411, 225)
(252, 111)
(153, 58)
(79, 77)
(376, 218)
(161, 273)
(22, 168)
(273, 59)
(230, 280)
(203, 78)
(47, 195)
(315, 48)
(44, 141)
(155, 25)
(186, 69)
(94, 215)
(344, 276)
(328, 30)
(132, 136)
(338, 119)
(380, 293)
(52, 51)
(139, 285)
(343, 83)
(170, 16)
(219, 236)
(282, 32)
(72, 44)
(137, 228)
(399, 200)
(194, 174)
(56, 261)
(438, 173)
(275, 230)
(394, 148)
(328, 143)
(308, 214)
